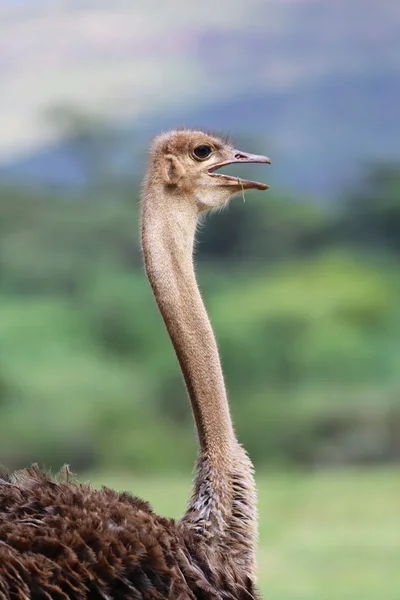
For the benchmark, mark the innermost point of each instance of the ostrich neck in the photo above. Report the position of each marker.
(167, 242)
(223, 504)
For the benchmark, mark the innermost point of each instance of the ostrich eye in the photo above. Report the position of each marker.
(202, 152)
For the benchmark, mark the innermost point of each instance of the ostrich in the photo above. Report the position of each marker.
(60, 539)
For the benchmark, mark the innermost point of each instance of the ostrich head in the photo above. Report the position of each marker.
(184, 164)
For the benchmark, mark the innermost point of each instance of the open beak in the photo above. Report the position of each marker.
(239, 158)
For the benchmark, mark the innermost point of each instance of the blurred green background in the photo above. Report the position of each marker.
(302, 283)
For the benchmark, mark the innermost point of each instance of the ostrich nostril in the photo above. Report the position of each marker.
(239, 156)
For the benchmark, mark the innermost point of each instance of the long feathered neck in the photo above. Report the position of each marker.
(223, 504)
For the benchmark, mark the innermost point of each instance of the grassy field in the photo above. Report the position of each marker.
(324, 536)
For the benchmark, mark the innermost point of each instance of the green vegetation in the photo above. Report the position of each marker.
(330, 535)
(305, 302)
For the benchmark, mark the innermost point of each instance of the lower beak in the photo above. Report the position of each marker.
(239, 157)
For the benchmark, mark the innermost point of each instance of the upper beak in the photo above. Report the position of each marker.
(240, 157)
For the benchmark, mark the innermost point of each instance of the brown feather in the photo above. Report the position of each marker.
(62, 540)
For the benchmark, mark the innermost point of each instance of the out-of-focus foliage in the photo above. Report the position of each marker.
(305, 303)
(373, 210)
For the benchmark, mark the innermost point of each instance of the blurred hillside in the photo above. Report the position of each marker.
(304, 295)
(316, 81)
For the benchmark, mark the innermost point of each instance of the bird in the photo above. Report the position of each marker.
(61, 539)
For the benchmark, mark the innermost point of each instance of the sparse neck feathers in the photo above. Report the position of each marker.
(168, 231)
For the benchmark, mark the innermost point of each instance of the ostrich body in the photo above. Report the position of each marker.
(60, 539)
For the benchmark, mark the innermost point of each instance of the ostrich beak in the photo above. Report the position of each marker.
(236, 157)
